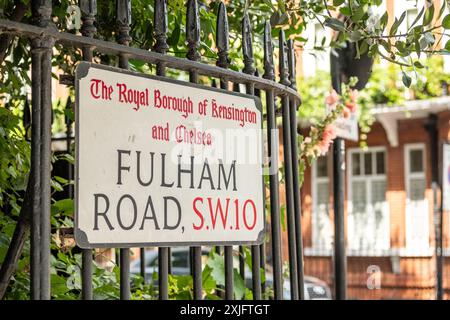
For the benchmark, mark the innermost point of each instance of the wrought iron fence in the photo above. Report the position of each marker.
(43, 35)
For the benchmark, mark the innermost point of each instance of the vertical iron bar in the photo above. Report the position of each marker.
(340, 263)
(160, 29)
(247, 48)
(340, 259)
(283, 67)
(88, 29)
(431, 127)
(193, 40)
(123, 22)
(142, 263)
(273, 149)
(242, 262)
(262, 247)
(41, 11)
(46, 122)
(236, 88)
(222, 43)
(35, 169)
(296, 186)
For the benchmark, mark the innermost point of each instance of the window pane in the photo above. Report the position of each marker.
(416, 161)
(380, 162)
(378, 192)
(180, 259)
(368, 163)
(359, 214)
(322, 223)
(359, 196)
(379, 222)
(356, 165)
(322, 167)
(417, 189)
(322, 194)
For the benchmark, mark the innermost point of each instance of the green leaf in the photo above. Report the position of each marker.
(175, 36)
(208, 282)
(384, 20)
(355, 36)
(429, 13)
(396, 24)
(346, 11)
(217, 264)
(335, 24)
(55, 185)
(58, 284)
(406, 79)
(283, 216)
(417, 64)
(447, 45)
(337, 3)
(418, 17)
(446, 22)
(441, 11)
(358, 14)
(239, 284)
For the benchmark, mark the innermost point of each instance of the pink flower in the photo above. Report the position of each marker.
(332, 98)
(353, 94)
(329, 134)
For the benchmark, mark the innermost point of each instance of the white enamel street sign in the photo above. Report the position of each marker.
(160, 161)
(346, 128)
(446, 177)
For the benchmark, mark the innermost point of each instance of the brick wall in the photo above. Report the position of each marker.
(409, 277)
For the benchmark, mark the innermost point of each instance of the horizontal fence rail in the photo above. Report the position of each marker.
(22, 29)
(44, 35)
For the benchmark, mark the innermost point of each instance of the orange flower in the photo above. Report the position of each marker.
(353, 94)
(346, 113)
(351, 106)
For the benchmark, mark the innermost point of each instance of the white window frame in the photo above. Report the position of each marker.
(409, 245)
(385, 247)
(316, 248)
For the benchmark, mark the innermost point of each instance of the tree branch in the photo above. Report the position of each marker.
(17, 241)
(17, 15)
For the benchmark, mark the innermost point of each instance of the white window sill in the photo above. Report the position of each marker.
(393, 252)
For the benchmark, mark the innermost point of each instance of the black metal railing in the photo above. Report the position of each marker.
(43, 35)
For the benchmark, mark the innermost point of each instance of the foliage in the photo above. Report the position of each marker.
(361, 26)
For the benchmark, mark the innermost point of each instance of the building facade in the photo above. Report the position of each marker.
(389, 206)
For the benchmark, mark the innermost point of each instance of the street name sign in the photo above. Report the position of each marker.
(346, 128)
(165, 162)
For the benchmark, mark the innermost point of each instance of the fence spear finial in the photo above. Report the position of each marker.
(123, 8)
(247, 45)
(88, 12)
(42, 12)
(268, 52)
(291, 64)
(222, 36)
(160, 22)
(192, 30)
(283, 64)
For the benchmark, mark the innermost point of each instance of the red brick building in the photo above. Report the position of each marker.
(389, 224)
